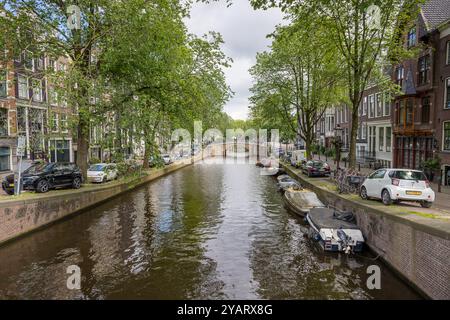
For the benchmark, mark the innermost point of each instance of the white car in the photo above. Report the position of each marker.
(167, 159)
(102, 172)
(393, 185)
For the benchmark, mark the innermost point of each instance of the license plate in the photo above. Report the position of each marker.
(413, 193)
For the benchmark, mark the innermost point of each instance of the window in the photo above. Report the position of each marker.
(59, 151)
(3, 122)
(424, 67)
(447, 94)
(3, 91)
(379, 105)
(27, 60)
(52, 96)
(448, 52)
(63, 121)
(51, 65)
(371, 106)
(381, 139)
(409, 112)
(62, 67)
(399, 75)
(388, 139)
(365, 106)
(37, 90)
(426, 110)
(364, 132)
(54, 123)
(378, 174)
(446, 136)
(412, 37)
(5, 155)
(387, 104)
(23, 87)
(401, 112)
(39, 63)
(21, 119)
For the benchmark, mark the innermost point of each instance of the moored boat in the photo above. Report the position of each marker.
(301, 201)
(334, 231)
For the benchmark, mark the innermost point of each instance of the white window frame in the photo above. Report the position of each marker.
(443, 137)
(387, 100)
(24, 60)
(41, 98)
(446, 85)
(55, 122)
(365, 104)
(371, 105)
(27, 87)
(386, 134)
(381, 148)
(378, 100)
(447, 60)
(66, 128)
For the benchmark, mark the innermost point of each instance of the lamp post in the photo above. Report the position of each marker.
(337, 141)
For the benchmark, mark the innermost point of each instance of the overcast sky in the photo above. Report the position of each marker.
(244, 31)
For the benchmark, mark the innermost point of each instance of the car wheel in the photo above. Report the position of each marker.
(386, 198)
(426, 204)
(363, 193)
(104, 179)
(42, 186)
(76, 183)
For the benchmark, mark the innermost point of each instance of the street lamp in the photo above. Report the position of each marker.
(337, 141)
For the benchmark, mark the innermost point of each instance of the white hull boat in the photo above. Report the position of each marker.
(333, 232)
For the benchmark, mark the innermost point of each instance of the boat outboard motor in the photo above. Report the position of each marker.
(344, 239)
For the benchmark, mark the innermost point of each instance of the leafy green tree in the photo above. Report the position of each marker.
(296, 83)
(364, 31)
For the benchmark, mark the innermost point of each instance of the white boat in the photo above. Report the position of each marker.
(302, 201)
(333, 232)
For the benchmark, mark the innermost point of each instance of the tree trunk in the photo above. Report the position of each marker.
(83, 145)
(147, 152)
(308, 149)
(353, 134)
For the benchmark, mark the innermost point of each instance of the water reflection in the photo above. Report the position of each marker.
(207, 231)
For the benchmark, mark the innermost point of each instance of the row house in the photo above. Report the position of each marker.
(29, 107)
(325, 128)
(421, 115)
(374, 142)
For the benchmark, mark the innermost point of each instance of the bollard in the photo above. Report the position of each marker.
(345, 163)
(440, 183)
(359, 166)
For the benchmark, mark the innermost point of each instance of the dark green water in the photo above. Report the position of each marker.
(206, 231)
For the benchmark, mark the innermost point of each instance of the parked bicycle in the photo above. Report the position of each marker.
(348, 181)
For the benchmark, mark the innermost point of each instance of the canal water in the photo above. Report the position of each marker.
(206, 231)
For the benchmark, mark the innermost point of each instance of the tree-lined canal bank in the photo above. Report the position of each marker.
(205, 231)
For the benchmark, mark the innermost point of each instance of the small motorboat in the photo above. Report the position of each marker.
(283, 177)
(301, 201)
(334, 230)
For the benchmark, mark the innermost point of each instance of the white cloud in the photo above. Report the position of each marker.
(244, 31)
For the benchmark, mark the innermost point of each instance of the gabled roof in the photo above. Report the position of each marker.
(435, 13)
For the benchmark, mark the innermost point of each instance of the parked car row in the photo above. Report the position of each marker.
(42, 177)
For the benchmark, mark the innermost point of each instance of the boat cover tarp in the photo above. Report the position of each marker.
(324, 218)
(303, 199)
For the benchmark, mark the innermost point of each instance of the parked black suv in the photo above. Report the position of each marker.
(43, 177)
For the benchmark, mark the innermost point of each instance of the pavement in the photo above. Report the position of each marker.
(441, 203)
